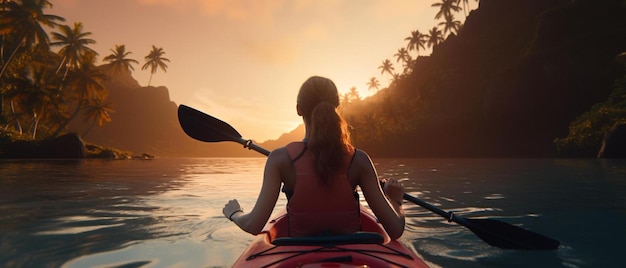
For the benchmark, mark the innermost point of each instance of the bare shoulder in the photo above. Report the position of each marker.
(361, 165)
(279, 154)
(279, 158)
(362, 159)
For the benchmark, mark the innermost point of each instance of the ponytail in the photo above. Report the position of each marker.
(329, 139)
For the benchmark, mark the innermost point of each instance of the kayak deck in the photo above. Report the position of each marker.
(370, 248)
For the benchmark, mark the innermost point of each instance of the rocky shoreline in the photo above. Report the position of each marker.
(68, 146)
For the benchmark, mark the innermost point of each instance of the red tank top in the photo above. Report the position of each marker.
(316, 208)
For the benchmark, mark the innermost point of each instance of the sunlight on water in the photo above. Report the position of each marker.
(77, 230)
(494, 196)
(167, 212)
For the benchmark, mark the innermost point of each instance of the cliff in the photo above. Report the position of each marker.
(146, 121)
(510, 82)
(507, 85)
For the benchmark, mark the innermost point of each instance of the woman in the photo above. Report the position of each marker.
(320, 174)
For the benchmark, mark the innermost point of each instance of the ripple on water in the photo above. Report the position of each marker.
(494, 197)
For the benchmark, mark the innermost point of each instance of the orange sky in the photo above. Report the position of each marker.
(244, 60)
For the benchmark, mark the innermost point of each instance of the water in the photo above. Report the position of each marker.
(167, 212)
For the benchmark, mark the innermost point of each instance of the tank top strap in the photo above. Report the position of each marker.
(295, 150)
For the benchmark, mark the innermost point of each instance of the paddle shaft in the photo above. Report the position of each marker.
(251, 146)
(203, 127)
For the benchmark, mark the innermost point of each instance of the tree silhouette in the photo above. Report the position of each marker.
(23, 21)
(446, 7)
(31, 94)
(118, 59)
(395, 78)
(38, 98)
(465, 5)
(97, 112)
(373, 84)
(405, 58)
(74, 44)
(86, 83)
(435, 37)
(416, 41)
(353, 95)
(402, 55)
(386, 67)
(155, 60)
(450, 25)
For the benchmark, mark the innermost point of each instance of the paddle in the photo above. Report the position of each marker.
(203, 127)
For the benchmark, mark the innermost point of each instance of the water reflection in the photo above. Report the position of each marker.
(58, 210)
(167, 212)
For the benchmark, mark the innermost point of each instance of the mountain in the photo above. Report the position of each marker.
(508, 85)
(146, 121)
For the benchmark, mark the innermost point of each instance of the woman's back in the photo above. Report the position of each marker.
(316, 206)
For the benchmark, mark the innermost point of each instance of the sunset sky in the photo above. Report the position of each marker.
(243, 61)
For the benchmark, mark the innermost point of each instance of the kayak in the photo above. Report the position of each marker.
(370, 247)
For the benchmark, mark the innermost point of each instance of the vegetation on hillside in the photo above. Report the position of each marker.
(43, 91)
(587, 131)
(498, 89)
(505, 82)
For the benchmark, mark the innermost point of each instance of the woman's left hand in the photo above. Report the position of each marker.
(231, 207)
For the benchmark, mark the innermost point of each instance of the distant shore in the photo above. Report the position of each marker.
(69, 146)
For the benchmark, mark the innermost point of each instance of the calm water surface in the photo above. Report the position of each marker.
(167, 212)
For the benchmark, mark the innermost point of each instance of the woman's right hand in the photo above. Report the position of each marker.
(231, 208)
(393, 190)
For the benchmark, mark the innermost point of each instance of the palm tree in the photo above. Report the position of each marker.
(446, 7)
(373, 84)
(387, 66)
(74, 44)
(40, 98)
(465, 5)
(118, 60)
(22, 26)
(352, 95)
(451, 25)
(86, 81)
(402, 55)
(435, 37)
(154, 60)
(408, 65)
(416, 40)
(35, 95)
(396, 77)
(97, 112)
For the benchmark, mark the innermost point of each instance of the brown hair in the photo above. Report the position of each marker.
(329, 139)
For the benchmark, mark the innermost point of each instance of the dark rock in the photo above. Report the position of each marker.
(20, 149)
(68, 146)
(614, 143)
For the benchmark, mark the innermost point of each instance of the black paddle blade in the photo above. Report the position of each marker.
(204, 127)
(507, 236)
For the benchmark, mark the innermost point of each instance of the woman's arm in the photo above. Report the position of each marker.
(254, 221)
(388, 209)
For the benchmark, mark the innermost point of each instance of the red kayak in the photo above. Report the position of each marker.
(371, 247)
